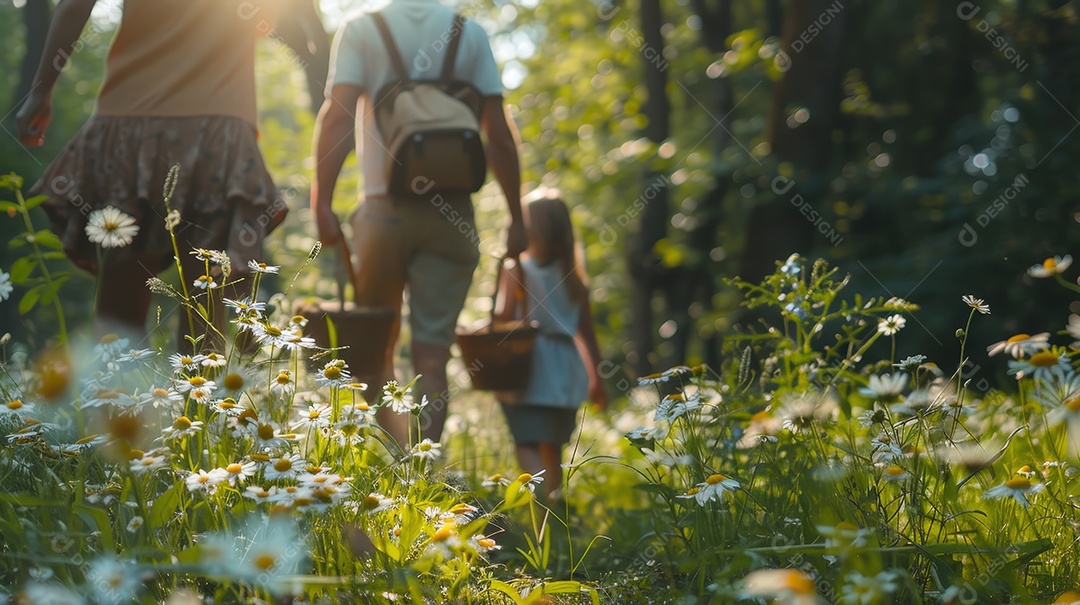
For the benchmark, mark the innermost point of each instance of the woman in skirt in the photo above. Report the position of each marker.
(179, 88)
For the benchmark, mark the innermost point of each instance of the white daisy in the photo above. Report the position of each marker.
(184, 363)
(348, 432)
(863, 590)
(1017, 489)
(285, 467)
(334, 374)
(111, 228)
(315, 417)
(1043, 365)
(1051, 266)
(976, 303)
(148, 463)
(185, 385)
(17, 407)
(895, 474)
(399, 398)
(112, 582)
(891, 324)
(787, 586)
(713, 488)
(246, 307)
(263, 268)
(204, 282)
(426, 450)
(531, 480)
(676, 405)
(483, 544)
(1020, 345)
(283, 383)
(496, 480)
(291, 338)
(1069, 413)
(182, 427)
(135, 523)
(213, 360)
(136, 355)
(886, 387)
(237, 472)
(5, 285)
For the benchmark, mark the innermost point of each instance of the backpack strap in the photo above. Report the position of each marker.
(451, 51)
(391, 48)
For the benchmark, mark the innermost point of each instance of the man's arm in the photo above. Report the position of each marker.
(64, 31)
(335, 130)
(502, 158)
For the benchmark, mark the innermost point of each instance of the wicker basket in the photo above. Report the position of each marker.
(364, 330)
(498, 356)
(498, 353)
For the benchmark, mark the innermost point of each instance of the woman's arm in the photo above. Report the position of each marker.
(64, 31)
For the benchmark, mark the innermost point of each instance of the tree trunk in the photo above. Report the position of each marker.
(813, 37)
(646, 270)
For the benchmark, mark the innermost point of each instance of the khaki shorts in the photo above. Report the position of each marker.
(429, 245)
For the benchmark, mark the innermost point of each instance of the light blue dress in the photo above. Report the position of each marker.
(558, 377)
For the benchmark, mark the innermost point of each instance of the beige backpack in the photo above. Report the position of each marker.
(430, 127)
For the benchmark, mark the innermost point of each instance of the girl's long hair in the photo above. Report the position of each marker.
(551, 234)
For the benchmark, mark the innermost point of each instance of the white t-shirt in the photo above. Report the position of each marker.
(421, 31)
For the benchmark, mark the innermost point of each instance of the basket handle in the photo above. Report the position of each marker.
(518, 285)
(343, 272)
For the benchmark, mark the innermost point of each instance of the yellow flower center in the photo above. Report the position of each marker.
(85, 440)
(265, 562)
(135, 454)
(798, 583)
(283, 465)
(233, 381)
(197, 381)
(234, 468)
(247, 416)
(109, 338)
(444, 533)
(182, 423)
(1019, 484)
(298, 319)
(160, 392)
(370, 502)
(332, 373)
(524, 478)
(1069, 596)
(283, 378)
(14, 404)
(692, 491)
(203, 478)
(1073, 403)
(425, 447)
(273, 330)
(715, 478)
(1044, 359)
(266, 432)
(1024, 469)
(894, 471)
(485, 542)
(319, 479)
(1049, 264)
(1018, 338)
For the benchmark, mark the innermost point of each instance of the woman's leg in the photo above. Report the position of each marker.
(123, 299)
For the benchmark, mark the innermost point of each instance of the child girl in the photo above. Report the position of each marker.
(179, 88)
(550, 285)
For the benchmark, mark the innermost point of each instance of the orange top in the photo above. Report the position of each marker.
(185, 58)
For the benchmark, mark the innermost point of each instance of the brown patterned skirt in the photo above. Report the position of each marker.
(225, 196)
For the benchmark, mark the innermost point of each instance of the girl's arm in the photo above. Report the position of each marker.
(590, 352)
(64, 31)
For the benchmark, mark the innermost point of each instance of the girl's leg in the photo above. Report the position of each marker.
(529, 459)
(551, 455)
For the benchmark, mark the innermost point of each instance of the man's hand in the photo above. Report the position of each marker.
(516, 239)
(328, 225)
(33, 119)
